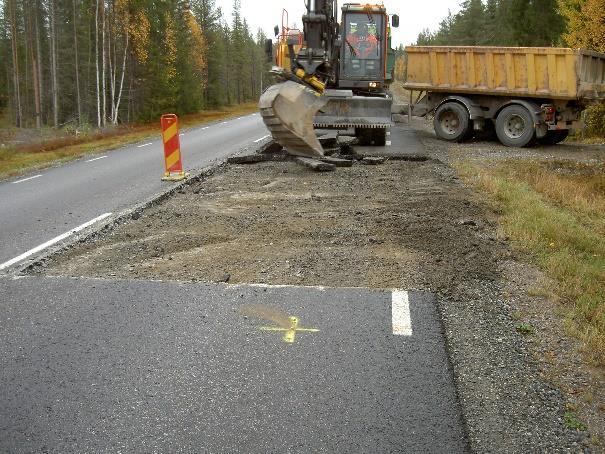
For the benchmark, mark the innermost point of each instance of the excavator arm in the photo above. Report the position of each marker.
(288, 108)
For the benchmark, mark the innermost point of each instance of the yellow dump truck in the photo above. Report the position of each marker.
(524, 93)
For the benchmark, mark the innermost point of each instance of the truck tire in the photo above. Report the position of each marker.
(515, 126)
(554, 137)
(452, 122)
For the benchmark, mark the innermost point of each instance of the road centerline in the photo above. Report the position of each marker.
(55, 240)
(96, 159)
(27, 179)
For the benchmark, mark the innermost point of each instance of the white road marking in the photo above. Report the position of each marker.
(96, 159)
(239, 118)
(400, 307)
(51, 242)
(26, 179)
(205, 127)
(224, 122)
(388, 143)
(182, 134)
(145, 145)
(262, 138)
(388, 133)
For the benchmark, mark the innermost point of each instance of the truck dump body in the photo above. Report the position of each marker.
(536, 72)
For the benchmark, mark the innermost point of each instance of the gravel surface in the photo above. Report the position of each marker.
(403, 224)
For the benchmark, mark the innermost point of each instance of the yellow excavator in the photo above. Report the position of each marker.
(331, 76)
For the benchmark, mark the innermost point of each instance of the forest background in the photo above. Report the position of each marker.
(91, 64)
(104, 62)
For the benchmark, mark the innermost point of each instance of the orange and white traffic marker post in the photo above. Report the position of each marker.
(172, 148)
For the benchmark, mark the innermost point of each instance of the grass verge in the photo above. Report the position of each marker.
(45, 149)
(555, 212)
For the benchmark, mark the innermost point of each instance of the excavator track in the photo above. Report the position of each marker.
(288, 110)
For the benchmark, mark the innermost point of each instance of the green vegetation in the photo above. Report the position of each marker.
(572, 421)
(555, 212)
(525, 328)
(499, 23)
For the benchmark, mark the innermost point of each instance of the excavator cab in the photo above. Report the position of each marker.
(363, 52)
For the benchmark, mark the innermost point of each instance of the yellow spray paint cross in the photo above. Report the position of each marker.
(290, 332)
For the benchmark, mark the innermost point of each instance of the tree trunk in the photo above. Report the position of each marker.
(117, 106)
(97, 64)
(77, 66)
(53, 64)
(39, 68)
(103, 63)
(111, 59)
(18, 112)
(34, 58)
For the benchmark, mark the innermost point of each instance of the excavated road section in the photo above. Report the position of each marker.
(402, 224)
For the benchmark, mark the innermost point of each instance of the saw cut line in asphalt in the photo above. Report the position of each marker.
(93, 365)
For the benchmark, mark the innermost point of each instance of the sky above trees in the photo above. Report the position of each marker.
(414, 16)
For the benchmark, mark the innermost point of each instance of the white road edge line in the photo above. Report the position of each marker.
(53, 241)
(96, 159)
(145, 145)
(400, 307)
(262, 138)
(27, 179)
(388, 143)
(205, 127)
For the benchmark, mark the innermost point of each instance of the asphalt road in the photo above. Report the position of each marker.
(38, 207)
(92, 365)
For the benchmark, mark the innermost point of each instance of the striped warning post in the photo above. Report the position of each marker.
(172, 148)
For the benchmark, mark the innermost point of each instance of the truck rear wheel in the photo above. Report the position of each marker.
(515, 126)
(554, 137)
(452, 122)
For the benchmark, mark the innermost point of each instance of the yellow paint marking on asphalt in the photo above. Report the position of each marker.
(290, 332)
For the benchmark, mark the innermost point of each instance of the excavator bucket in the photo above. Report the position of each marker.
(288, 110)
